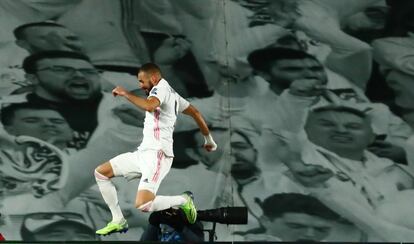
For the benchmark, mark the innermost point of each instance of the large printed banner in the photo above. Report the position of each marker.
(310, 103)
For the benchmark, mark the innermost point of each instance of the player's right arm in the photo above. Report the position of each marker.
(209, 143)
(149, 104)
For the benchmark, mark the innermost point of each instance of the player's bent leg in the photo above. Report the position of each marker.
(112, 227)
(105, 169)
(144, 200)
(103, 175)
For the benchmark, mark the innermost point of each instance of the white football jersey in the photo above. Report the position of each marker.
(159, 125)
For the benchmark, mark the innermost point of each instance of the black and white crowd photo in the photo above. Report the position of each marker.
(207, 120)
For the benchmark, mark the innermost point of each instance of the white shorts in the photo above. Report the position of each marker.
(151, 165)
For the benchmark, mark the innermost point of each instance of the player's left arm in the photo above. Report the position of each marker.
(149, 104)
(209, 143)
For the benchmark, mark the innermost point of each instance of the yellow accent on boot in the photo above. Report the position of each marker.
(113, 228)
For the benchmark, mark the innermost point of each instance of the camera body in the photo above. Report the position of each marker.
(175, 219)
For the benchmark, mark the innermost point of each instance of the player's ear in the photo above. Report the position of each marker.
(151, 77)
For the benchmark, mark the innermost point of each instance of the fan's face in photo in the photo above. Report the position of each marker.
(42, 124)
(68, 79)
(285, 71)
(65, 231)
(43, 38)
(234, 152)
(339, 131)
(299, 227)
(243, 156)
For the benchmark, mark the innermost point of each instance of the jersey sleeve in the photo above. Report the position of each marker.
(182, 104)
(159, 92)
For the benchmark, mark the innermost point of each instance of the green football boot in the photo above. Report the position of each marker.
(189, 207)
(113, 228)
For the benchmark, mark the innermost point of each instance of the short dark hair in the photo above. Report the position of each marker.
(278, 204)
(29, 63)
(150, 68)
(346, 109)
(19, 31)
(261, 59)
(7, 112)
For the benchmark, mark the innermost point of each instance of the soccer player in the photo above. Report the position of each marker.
(153, 158)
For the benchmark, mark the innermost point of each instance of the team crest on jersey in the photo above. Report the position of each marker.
(154, 91)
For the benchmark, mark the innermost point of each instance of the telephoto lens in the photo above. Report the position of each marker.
(225, 215)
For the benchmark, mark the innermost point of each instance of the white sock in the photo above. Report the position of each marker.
(163, 202)
(109, 195)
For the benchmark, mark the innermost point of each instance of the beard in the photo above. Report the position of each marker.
(148, 90)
